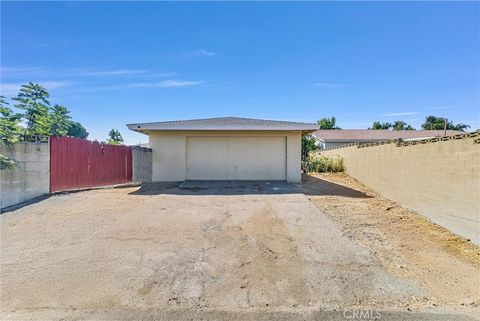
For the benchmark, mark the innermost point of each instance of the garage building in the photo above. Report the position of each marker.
(227, 148)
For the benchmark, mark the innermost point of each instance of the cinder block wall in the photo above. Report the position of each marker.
(32, 177)
(440, 180)
(142, 164)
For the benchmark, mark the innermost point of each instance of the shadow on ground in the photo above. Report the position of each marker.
(310, 186)
(217, 188)
(23, 204)
(315, 186)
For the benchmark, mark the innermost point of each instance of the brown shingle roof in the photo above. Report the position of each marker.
(224, 123)
(367, 134)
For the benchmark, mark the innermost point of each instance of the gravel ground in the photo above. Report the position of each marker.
(245, 250)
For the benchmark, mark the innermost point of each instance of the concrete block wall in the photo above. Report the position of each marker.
(32, 176)
(440, 180)
(142, 164)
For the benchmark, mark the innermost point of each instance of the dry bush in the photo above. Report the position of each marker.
(318, 163)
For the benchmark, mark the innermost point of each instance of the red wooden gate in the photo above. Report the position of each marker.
(78, 163)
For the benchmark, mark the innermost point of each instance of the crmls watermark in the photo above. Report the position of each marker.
(362, 314)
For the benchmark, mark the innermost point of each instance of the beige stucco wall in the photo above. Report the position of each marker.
(440, 180)
(170, 151)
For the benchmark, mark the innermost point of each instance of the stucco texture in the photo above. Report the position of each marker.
(170, 154)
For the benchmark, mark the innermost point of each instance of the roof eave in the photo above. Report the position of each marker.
(141, 129)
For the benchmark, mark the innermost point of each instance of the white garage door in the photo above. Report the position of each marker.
(236, 158)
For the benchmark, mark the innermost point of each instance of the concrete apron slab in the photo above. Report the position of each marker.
(240, 187)
(184, 255)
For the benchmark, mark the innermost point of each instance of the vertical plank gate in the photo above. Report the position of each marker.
(79, 163)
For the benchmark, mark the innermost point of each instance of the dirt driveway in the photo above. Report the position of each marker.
(199, 250)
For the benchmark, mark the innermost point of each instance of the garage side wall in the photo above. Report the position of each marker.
(168, 156)
(294, 155)
(440, 180)
(169, 151)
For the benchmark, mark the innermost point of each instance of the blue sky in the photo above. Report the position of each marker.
(115, 63)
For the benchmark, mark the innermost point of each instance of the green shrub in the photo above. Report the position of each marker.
(322, 164)
(308, 146)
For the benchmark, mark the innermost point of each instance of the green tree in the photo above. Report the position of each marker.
(328, 123)
(10, 131)
(401, 125)
(378, 125)
(59, 121)
(75, 129)
(438, 123)
(459, 126)
(33, 98)
(308, 144)
(114, 137)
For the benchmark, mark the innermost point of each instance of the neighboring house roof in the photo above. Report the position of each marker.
(343, 135)
(224, 123)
